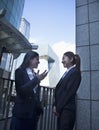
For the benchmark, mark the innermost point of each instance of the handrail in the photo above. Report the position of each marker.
(7, 79)
(47, 121)
(3, 119)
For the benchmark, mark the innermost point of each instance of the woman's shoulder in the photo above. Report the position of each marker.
(76, 71)
(19, 70)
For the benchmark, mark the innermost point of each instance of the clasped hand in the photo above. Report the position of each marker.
(42, 75)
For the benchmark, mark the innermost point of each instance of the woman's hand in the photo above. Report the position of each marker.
(55, 112)
(42, 75)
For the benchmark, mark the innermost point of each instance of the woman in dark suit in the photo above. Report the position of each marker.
(65, 92)
(27, 105)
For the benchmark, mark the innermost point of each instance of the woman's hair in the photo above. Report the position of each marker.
(76, 59)
(27, 58)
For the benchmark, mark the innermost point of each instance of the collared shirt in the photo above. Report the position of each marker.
(67, 71)
(31, 75)
(70, 68)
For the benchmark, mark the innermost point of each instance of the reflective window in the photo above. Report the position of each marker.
(6, 61)
(14, 10)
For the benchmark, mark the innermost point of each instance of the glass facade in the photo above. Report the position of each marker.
(25, 28)
(6, 61)
(14, 10)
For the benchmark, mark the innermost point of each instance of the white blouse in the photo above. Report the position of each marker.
(31, 75)
(67, 71)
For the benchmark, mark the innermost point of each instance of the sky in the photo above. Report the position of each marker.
(51, 21)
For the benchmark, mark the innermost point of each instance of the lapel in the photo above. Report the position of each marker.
(26, 74)
(65, 77)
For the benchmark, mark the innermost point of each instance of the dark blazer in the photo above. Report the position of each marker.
(25, 103)
(66, 89)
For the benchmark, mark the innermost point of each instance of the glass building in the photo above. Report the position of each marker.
(14, 9)
(49, 61)
(13, 15)
(25, 28)
(12, 43)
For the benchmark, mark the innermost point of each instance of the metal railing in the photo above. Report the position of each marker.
(47, 121)
(6, 87)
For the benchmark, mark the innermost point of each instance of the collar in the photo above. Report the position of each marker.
(29, 70)
(70, 68)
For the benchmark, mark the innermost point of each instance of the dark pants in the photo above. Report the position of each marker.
(23, 124)
(66, 120)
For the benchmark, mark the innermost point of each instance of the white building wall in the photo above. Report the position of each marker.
(54, 73)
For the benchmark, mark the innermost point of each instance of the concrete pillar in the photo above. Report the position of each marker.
(87, 44)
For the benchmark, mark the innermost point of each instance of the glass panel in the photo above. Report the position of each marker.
(9, 6)
(8, 15)
(6, 62)
(6, 92)
(5, 1)
(3, 60)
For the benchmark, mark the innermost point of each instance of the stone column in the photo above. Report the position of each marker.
(87, 44)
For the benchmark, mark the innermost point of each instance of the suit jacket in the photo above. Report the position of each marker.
(66, 89)
(26, 100)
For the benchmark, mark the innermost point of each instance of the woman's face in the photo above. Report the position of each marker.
(66, 61)
(34, 62)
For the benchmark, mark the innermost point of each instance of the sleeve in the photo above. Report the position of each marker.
(69, 90)
(24, 86)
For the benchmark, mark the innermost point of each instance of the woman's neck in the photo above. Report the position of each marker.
(31, 68)
(69, 66)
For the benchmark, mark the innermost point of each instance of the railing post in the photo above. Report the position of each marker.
(8, 106)
(47, 120)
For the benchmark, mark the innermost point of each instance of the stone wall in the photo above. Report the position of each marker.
(87, 44)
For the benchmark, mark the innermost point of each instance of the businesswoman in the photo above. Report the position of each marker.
(64, 106)
(27, 105)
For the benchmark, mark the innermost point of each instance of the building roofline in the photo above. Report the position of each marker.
(12, 39)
